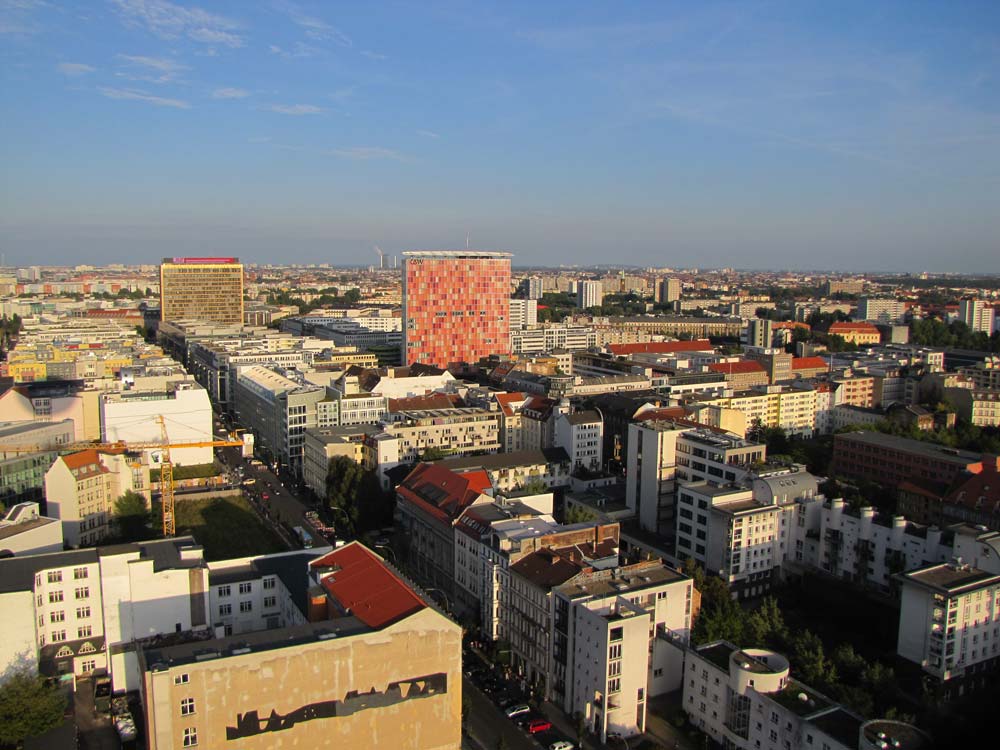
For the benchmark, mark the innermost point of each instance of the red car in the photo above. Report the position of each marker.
(539, 725)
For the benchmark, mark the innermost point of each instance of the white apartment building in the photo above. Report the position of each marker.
(732, 535)
(880, 309)
(353, 405)
(978, 315)
(81, 489)
(745, 699)
(589, 294)
(523, 312)
(69, 613)
(792, 409)
(457, 432)
(581, 435)
(550, 337)
(250, 594)
(949, 624)
(606, 652)
(536, 287)
(663, 452)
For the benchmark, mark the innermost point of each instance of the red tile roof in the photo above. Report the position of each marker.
(88, 457)
(672, 412)
(441, 492)
(779, 325)
(365, 587)
(662, 347)
(736, 368)
(809, 363)
(507, 400)
(430, 401)
(980, 489)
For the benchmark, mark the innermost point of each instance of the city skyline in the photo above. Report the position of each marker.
(765, 136)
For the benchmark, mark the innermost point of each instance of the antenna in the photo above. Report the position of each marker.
(378, 250)
(466, 240)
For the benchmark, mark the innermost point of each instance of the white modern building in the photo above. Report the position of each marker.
(978, 315)
(589, 294)
(24, 531)
(581, 435)
(523, 312)
(183, 409)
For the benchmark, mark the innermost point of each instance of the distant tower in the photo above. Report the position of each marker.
(759, 333)
(668, 290)
(589, 294)
(456, 306)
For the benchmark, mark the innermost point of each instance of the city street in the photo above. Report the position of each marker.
(486, 724)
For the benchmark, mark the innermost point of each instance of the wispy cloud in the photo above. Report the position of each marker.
(366, 153)
(372, 55)
(296, 109)
(428, 134)
(142, 96)
(171, 21)
(75, 69)
(15, 16)
(166, 69)
(299, 49)
(314, 28)
(230, 93)
(157, 63)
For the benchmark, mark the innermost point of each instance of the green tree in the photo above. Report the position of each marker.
(358, 493)
(132, 516)
(811, 660)
(432, 454)
(578, 514)
(28, 707)
(534, 487)
(720, 617)
(765, 626)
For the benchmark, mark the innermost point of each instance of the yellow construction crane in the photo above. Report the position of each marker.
(166, 465)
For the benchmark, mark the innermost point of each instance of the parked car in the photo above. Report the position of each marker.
(519, 710)
(539, 725)
(615, 736)
(561, 745)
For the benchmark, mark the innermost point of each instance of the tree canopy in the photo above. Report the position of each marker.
(357, 492)
(28, 707)
(132, 516)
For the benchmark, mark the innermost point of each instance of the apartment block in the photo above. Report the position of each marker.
(880, 309)
(27, 450)
(606, 648)
(977, 315)
(889, 460)
(581, 435)
(978, 407)
(589, 294)
(949, 625)
(82, 487)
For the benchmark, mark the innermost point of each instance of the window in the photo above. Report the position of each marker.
(55, 597)
(182, 679)
(58, 636)
(187, 706)
(82, 613)
(615, 685)
(615, 668)
(57, 616)
(83, 592)
(246, 588)
(224, 591)
(190, 738)
(225, 609)
(80, 573)
(268, 583)
(88, 666)
(270, 601)
(55, 576)
(615, 652)
(246, 606)
(616, 634)
(84, 632)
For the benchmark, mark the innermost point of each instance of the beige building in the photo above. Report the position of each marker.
(81, 489)
(375, 667)
(455, 432)
(980, 407)
(321, 444)
(204, 289)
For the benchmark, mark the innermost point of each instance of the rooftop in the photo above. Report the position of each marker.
(718, 653)
(802, 700)
(626, 579)
(908, 445)
(840, 724)
(364, 586)
(951, 578)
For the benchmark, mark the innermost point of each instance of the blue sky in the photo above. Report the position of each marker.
(855, 135)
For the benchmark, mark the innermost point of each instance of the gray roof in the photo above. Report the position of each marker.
(18, 573)
(497, 461)
(19, 528)
(584, 417)
(914, 447)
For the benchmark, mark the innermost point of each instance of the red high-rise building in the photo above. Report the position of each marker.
(456, 306)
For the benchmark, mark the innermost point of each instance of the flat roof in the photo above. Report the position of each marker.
(951, 578)
(718, 653)
(629, 582)
(167, 652)
(917, 447)
(455, 254)
(840, 724)
(14, 529)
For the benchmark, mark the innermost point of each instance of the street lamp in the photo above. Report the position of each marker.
(388, 549)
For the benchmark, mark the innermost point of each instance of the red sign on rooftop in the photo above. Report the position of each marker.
(205, 260)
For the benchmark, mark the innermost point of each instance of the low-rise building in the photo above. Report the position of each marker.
(976, 406)
(25, 531)
(81, 489)
(889, 460)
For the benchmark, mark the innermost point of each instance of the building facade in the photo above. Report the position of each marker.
(204, 289)
(456, 306)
